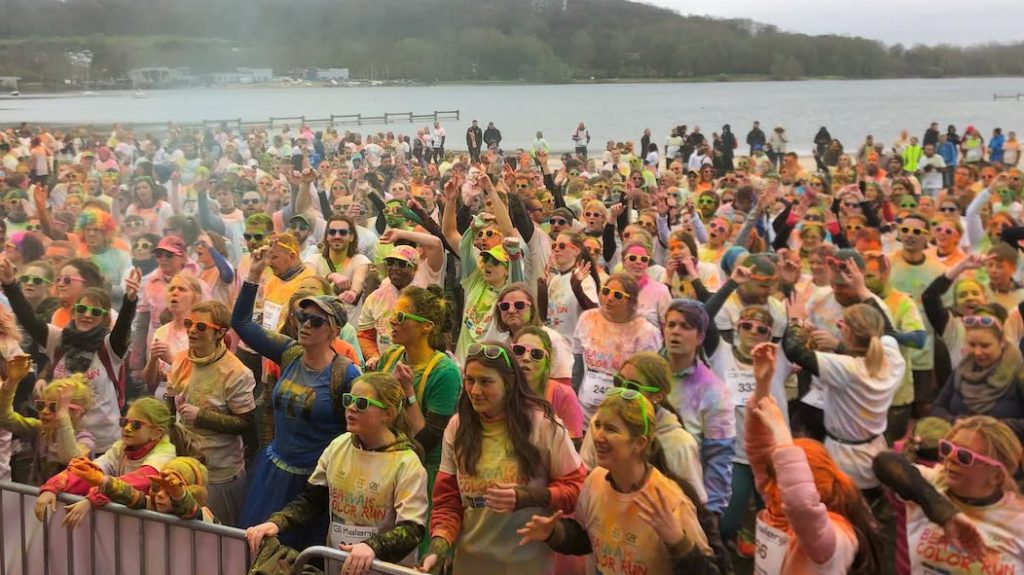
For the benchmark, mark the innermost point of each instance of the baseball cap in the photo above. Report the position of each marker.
(330, 306)
(851, 255)
(565, 213)
(304, 218)
(498, 253)
(172, 244)
(404, 253)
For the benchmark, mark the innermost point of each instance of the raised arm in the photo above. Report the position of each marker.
(264, 342)
(37, 329)
(120, 335)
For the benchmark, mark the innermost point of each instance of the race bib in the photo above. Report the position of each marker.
(772, 544)
(594, 388)
(271, 315)
(742, 384)
(344, 534)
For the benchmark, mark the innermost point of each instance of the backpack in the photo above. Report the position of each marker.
(118, 377)
(339, 370)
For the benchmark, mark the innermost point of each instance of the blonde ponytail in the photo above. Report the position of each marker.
(874, 359)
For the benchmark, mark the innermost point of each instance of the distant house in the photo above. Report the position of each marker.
(331, 74)
(242, 76)
(158, 76)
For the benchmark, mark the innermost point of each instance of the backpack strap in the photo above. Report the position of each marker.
(117, 377)
(340, 384)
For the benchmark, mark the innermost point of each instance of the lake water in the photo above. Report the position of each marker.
(850, 109)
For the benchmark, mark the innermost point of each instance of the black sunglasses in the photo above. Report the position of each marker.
(336, 232)
(314, 321)
(558, 222)
(257, 237)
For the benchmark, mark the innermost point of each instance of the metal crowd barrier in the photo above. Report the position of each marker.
(335, 557)
(112, 540)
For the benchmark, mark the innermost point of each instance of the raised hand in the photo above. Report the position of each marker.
(581, 272)
(7, 270)
(18, 367)
(764, 355)
(768, 412)
(741, 274)
(131, 284)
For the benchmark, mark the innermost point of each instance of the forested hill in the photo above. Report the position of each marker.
(453, 40)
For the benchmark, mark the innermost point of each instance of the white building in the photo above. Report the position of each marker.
(332, 73)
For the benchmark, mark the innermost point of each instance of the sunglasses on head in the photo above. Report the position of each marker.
(361, 402)
(314, 321)
(489, 351)
(256, 237)
(535, 353)
(133, 424)
(88, 309)
(632, 394)
(518, 305)
(965, 456)
(620, 381)
(67, 280)
(619, 295)
(34, 280)
(201, 326)
(755, 326)
(399, 317)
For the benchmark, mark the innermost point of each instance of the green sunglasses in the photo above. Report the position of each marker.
(94, 311)
(489, 351)
(620, 381)
(361, 402)
(399, 317)
(631, 394)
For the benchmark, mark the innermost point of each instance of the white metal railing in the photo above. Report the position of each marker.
(334, 558)
(112, 540)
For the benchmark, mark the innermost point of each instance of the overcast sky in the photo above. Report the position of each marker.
(907, 21)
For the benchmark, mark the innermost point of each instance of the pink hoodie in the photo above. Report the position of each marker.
(820, 541)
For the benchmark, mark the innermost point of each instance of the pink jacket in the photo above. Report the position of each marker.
(819, 541)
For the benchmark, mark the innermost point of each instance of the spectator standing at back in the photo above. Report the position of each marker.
(581, 139)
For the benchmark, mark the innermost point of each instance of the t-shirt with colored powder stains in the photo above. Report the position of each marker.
(913, 279)
(563, 307)
(488, 542)
(1000, 526)
(605, 346)
(275, 294)
(622, 542)
(370, 491)
(905, 318)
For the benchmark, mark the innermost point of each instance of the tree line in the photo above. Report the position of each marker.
(452, 40)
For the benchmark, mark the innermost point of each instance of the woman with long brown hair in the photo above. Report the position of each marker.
(504, 459)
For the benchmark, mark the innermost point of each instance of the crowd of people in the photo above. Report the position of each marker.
(645, 359)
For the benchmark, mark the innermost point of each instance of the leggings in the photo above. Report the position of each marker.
(743, 489)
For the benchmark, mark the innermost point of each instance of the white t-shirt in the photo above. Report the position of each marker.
(605, 346)
(729, 315)
(104, 416)
(370, 491)
(376, 313)
(563, 309)
(856, 406)
(320, 266)
(1000, 525)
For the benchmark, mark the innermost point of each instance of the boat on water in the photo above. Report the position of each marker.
(15, 93)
